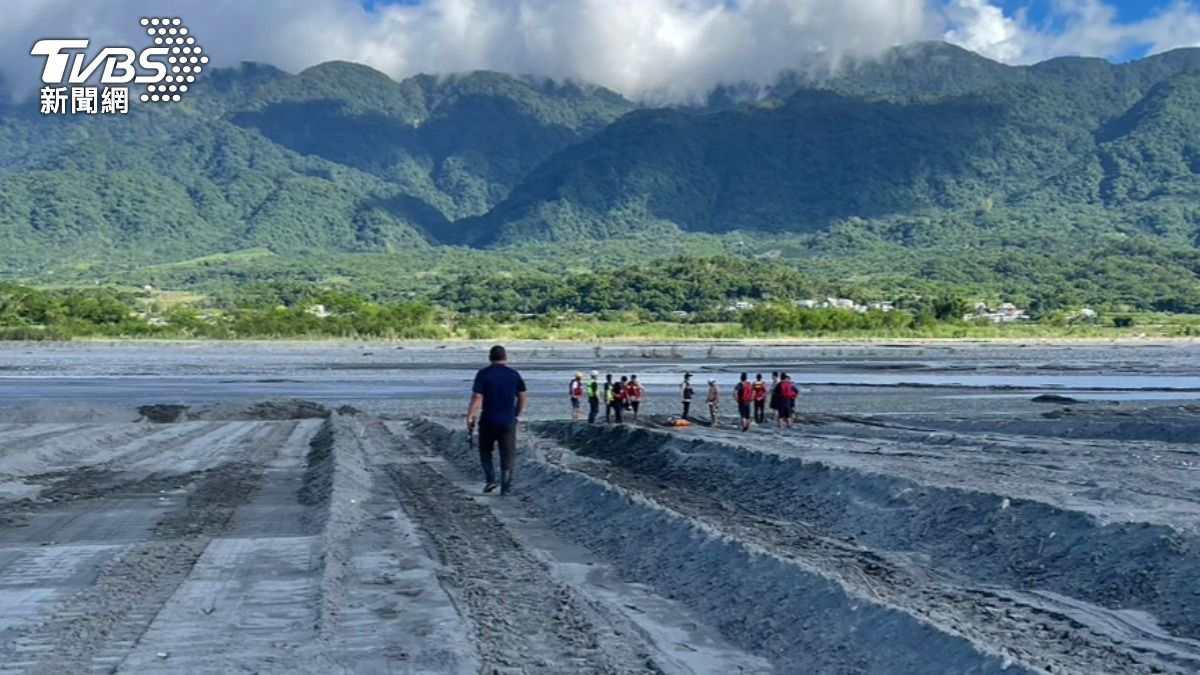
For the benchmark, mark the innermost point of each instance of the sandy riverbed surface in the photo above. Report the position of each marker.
(316, 508)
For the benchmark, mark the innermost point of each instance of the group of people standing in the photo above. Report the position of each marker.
(499, 399)
(619, 396)
(751, 398)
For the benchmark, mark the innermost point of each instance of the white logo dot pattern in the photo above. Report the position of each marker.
(159, 28)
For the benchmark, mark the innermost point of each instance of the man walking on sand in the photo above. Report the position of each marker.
(499, 392)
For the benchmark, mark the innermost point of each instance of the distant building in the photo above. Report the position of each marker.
(846, 304)
(1006, 312)
(843, 304)
(1084, 315)
(318, 311)
(741, 306)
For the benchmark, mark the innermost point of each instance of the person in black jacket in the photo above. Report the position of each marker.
(686, 392)
(774, 402)
(499, 392)
(608, 397)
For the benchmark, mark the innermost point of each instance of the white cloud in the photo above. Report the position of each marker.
(982, 27)
(1077, 27)
(672, 49)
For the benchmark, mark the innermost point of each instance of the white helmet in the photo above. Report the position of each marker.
(595, 373)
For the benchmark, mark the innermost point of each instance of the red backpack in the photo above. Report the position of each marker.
(787, 391)
(745, 392)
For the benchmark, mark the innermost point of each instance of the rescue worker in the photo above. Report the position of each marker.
(634, 394)
(608, 397)
(576, 392)
(775, 396)
(619, 394)
(714, 403)
(593, 397)
(743, 395)
(787, 400)
(686, 392)
(760, 399)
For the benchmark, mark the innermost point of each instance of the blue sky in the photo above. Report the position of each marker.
(1042, 13)
(1050, 17)
(1127, 10)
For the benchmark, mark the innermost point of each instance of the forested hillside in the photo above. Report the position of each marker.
(336, 159)
(950, 132)
(1070, 180)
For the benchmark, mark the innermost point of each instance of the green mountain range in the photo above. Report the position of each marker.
(931, 162)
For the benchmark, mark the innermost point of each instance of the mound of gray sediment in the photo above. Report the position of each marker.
(316, 487)
(287, 409)
(162, 412)
(1021, 544)
(1054, 398)
(72, 412)
(1175, 424)
(800, 620)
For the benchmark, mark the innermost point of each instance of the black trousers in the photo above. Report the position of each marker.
(506, 438)
(687, 408)
(760, 413)
(593, 409)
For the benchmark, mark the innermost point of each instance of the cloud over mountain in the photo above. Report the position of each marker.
(648, 49)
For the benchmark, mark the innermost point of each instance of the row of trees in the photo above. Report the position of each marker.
(27, 312)
(694, 285)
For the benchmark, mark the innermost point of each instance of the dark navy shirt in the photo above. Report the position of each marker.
(500, 386)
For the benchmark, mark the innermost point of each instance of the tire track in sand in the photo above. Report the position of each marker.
(525, 620)
(94, 629)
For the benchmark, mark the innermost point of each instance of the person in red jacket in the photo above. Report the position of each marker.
(634, 394)
(576, 392)
(743, 394)
(760, 400)
(787, 400)
(620, 398)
